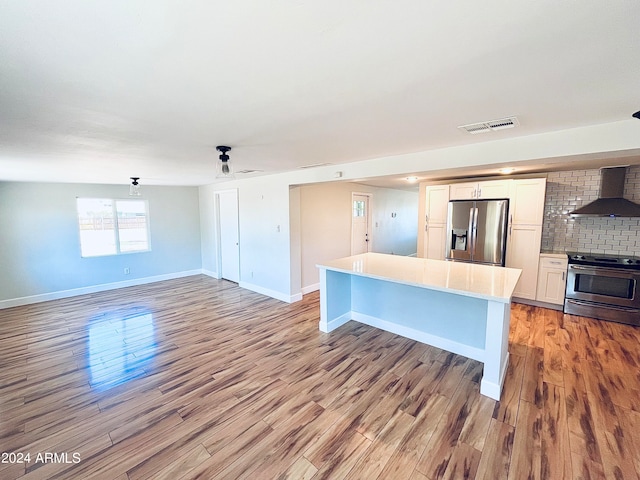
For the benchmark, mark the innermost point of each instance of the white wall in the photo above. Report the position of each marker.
(208, 233)
(40, 241)
(325, 219)
(395, 234)
(265, 235)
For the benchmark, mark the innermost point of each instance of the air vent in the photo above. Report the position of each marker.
(490, 125)
(315, 165)
(250, 171)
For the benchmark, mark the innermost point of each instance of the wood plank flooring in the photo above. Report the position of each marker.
(197, 378)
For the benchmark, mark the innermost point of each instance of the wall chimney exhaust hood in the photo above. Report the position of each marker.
(610, 202)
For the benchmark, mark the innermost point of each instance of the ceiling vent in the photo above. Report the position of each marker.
(490, 125)
(249, 171)
(315, 165)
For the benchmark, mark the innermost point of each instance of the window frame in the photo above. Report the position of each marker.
(114, 209)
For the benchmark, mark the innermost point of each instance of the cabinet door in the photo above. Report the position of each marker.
(463, 191)
(437, 203)
(523, 251)
(434, 241)
(494, 189)
(551, 285)
(527, 201)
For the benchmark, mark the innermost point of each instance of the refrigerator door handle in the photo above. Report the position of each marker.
(475, 230)
(472, 237)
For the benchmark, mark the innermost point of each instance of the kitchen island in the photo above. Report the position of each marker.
(460, 307)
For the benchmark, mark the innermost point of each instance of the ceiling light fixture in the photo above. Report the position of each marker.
(507, 170)
(412, 179)
(223, 168)
(134, 188)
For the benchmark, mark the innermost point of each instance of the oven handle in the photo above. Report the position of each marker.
(607, 306)
(611, 271)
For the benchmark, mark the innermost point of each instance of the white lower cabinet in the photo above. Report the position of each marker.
(552, 278)
(434, 241)
(523, 251)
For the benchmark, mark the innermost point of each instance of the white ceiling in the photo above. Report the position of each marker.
(100, 91)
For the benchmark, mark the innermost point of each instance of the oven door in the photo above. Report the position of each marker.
(609, 286)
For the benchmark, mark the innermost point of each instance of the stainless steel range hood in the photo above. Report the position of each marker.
(610, 202)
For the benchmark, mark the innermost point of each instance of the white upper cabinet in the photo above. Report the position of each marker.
(493, 189)
(527, 201)
(437, 197)
(480, 190)
(463, 191)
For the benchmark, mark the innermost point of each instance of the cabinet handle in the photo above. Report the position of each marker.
(479, 192)
(563, 276)
(555, 263)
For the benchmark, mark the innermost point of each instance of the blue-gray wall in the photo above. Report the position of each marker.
(40, 242)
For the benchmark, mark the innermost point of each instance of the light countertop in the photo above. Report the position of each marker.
(469, 279)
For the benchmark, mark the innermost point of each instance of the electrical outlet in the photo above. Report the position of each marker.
(127, 271)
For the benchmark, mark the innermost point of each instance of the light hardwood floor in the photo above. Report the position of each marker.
(197, 378)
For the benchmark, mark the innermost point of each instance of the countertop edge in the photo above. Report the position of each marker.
(465, 293)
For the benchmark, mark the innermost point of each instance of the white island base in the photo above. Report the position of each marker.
(460, 307)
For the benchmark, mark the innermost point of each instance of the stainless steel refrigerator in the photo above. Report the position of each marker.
(477, 231)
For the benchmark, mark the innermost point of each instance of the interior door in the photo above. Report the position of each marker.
(360, 224)
(229, 236)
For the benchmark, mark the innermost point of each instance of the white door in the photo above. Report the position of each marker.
(229, 239)
(360, 224)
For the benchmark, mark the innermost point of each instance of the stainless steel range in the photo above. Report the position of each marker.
(604, 286)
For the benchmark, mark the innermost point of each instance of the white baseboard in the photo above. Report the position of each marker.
(311, 288)
(210, 273)
(413, 334)
(335, 323)
(536, 303)
(45, 297)
(271, 293)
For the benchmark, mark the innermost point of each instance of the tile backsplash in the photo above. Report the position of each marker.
(567, 191)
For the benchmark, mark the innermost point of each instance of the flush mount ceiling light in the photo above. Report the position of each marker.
(411, 179)
(506, 170)
(223, 167)
(134, 188)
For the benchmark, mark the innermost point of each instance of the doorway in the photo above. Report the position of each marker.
(360, 223)
(229, 251)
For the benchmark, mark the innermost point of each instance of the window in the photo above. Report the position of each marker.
(112, 227)
(358, 208)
